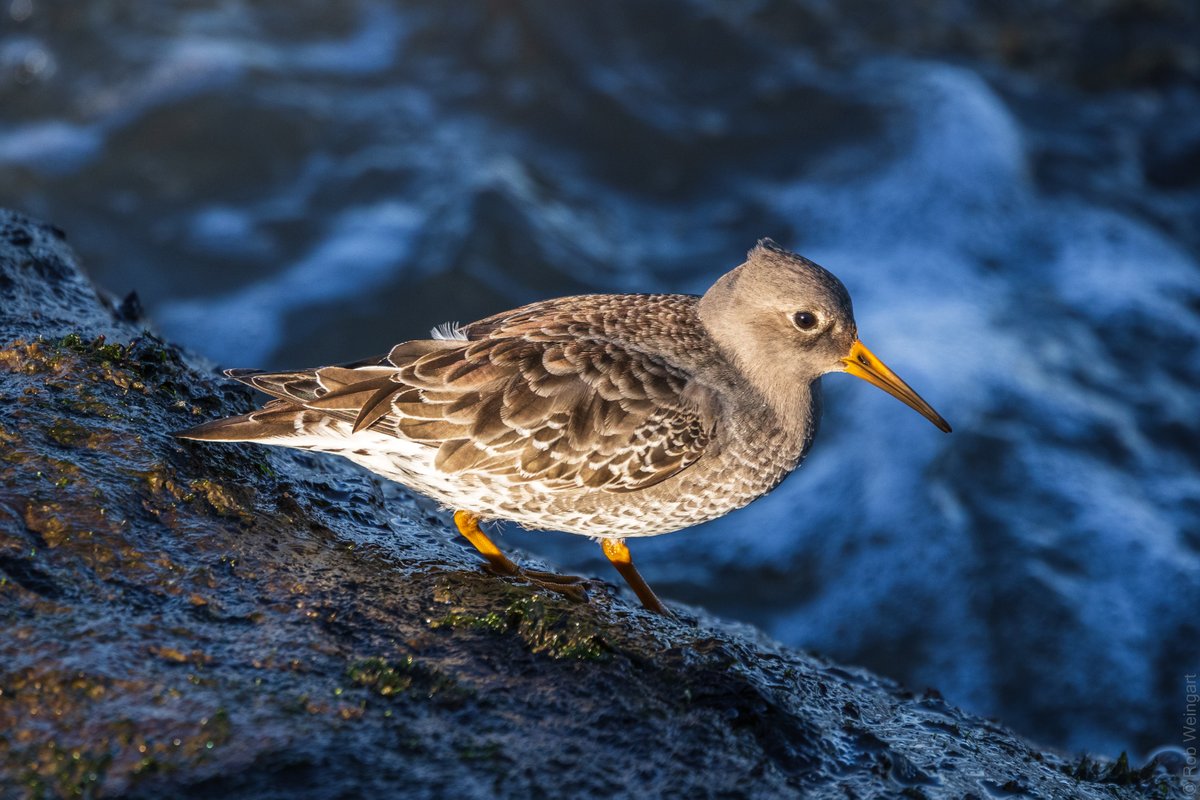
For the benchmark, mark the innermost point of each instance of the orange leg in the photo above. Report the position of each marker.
(468, 525)
(618, 554)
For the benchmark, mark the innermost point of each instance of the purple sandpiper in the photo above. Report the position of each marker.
(611, 415)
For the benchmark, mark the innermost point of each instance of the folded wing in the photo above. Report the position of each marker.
(563, 412)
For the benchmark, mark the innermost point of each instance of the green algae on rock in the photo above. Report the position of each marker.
(388, 679)
(246, 623)
(545, 625)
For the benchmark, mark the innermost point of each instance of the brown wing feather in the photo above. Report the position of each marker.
(568, 413)
(533, 399)
(576, 413)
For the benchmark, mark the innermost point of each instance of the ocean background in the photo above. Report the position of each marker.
(1011, 195)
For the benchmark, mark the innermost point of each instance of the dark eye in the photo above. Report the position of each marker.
(805, 320)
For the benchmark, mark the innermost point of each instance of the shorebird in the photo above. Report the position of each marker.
(613, 416)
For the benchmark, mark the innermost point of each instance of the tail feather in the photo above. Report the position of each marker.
(276, 420)
(305, 386)
(333, 396)
(301, 386)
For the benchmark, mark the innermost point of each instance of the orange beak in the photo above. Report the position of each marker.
(862, 363)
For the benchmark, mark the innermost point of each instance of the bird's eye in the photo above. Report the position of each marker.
(805, 320)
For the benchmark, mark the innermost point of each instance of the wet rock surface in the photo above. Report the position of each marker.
(190, 621)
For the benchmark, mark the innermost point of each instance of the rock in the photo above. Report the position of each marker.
(194, 620)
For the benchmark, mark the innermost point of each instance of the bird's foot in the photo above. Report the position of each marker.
(570, 586)
(500, 564)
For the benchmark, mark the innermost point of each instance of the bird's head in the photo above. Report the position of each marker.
(788, 321)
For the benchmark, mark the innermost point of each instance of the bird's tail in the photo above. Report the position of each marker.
(299, 408)
(277, 420)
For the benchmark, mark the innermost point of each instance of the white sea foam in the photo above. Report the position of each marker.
(52, 147)
(361, 252)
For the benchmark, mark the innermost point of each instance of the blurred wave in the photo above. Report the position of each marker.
(1012, 197)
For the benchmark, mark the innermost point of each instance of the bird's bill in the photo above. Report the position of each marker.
(862, 363)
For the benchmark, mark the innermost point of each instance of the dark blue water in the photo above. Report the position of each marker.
(1013, 202)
